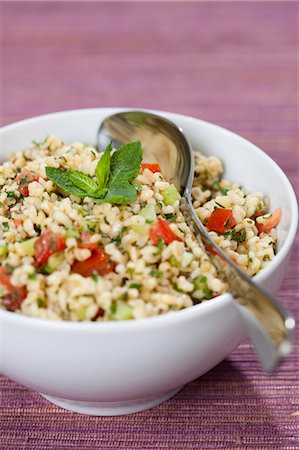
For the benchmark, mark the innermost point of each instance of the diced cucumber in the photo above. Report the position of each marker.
(141, 228)
(28, 246)
(121, 311)
(3, 249)
(174, 262)
(53, 262)
(149, 213)
(201, 289)
(81, 313)
(71, 232)
(170, 195)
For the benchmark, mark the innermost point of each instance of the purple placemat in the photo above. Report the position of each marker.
(232, 63)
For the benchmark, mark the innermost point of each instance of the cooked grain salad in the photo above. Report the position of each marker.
(88, 236)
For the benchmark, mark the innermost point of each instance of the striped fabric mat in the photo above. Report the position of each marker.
(232, 63)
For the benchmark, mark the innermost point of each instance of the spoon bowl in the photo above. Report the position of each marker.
(268, 323)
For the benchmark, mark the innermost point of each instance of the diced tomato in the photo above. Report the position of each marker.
(14, 295)
(18, 222)
(270, 222)
(97, 263)
(47, 244)
(152, 167)
(161, 229)
(84, 242)
(23, 179)
(221, 220)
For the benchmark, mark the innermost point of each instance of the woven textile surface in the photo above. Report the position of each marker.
(232, 63)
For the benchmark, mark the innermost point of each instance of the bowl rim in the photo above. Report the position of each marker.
(173, 316)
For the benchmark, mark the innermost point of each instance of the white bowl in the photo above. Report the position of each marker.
(118, 368)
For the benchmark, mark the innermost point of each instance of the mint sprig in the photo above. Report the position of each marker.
(114, 175)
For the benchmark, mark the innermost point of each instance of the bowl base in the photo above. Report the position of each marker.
(111, 408)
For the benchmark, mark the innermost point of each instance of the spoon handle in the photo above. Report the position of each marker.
(269, 325)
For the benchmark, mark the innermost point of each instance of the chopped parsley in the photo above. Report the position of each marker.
(224, 191)
(135, 286)
(238, 236)
(119, 237)
(5, 226)
(170, 217)
(32, 276)
(156, 273)
(160, 246)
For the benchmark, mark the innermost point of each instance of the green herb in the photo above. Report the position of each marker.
(160, 246)
(41, 303)
(170, 217)
(176, 288)
(5, 226)
(250, 260)
(1, 205)
(238, 236)
(91, 227)
(224, 191)
(62, 179)
(201, 284)
(106, 221)
(266, 258)
(103, 168)
(8, 214)
(114, 176)
(10, 194)
(174, 262)
(156, 273)
(124, 167)
(138, 186)
(32, 276)
(119, 237)
(38, 144)
(135, 286)
(95, 276)
(82, 181)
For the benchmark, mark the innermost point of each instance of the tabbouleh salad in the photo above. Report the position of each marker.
(89, 236)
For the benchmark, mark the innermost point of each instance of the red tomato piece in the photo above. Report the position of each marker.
(14, 295)
(84, 242)
(161, 229)
(270, 222)
(98, 262)
(46, 245)
(18, 222)
(221, 220)
(23, 179)
(152, 167)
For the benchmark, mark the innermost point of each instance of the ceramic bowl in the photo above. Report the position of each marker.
(117, 368)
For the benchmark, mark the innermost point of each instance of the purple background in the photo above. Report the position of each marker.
(232, 63)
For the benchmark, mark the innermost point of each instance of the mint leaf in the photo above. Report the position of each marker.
(125, 163)
(124, 168)
(114, 175)
(97, 193)
(103, 167)
(120, 194)
(82, 181)
(61, 178)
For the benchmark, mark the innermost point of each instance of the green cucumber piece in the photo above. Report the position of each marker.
(28, 246)
(121, 311)
(141, 228)
(53, 262)
(149, 213)
(3, 250)
(170, 195)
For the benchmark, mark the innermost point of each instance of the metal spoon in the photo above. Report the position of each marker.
(269, 325)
